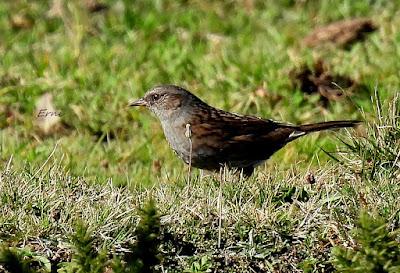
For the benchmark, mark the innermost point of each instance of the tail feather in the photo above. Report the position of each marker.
(308, 128)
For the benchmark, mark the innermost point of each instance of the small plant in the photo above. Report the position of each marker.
(288, 194)
(85, 257)
(144, 254)
(22, 260)
(200, 266)
(377, 250)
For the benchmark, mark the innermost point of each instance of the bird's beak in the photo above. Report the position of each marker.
(139, 102)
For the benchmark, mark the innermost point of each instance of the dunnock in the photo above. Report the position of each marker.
(210, 138)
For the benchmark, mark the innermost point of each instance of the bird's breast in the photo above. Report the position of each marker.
(187, 146)
(177, 140)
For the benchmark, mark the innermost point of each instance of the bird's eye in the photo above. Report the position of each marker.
(155, 97)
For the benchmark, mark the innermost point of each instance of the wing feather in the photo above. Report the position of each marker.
(230, 137)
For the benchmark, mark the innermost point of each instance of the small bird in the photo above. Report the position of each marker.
(210, 138)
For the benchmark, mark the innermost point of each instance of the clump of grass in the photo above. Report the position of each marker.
(145, 253)
(378, 152)
(376, 251)
(85, 258)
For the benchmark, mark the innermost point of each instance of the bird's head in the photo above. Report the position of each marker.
(166, 101)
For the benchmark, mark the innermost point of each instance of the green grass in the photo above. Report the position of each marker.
(93, 63)
(223, 51)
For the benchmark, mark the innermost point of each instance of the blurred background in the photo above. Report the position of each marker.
(68, 69)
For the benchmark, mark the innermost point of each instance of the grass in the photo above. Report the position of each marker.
(108, 158)
(274, 221)
(93, 63)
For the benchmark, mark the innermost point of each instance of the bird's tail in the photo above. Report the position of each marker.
(308, 128)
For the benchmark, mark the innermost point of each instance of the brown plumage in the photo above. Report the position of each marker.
(218, 137)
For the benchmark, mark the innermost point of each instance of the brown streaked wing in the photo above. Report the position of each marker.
(233, 137)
